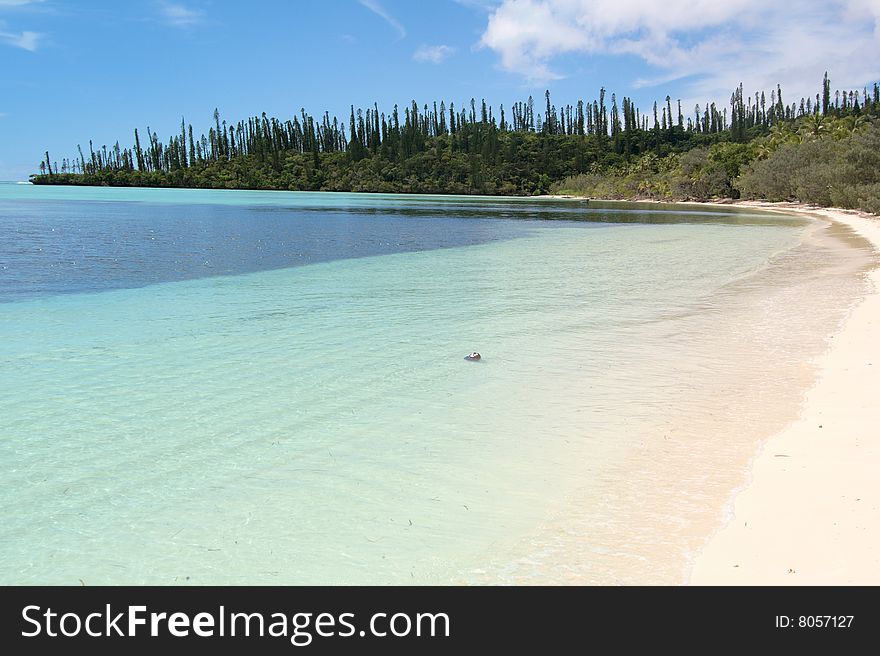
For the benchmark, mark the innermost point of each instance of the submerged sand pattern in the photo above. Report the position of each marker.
(318, 424)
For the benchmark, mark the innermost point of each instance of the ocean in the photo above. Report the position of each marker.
(236, 387)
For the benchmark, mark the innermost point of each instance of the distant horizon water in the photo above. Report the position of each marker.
(232, 387)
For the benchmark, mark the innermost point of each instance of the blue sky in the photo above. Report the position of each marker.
(71, 70)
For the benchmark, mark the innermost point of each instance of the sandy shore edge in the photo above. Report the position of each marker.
(810, 513)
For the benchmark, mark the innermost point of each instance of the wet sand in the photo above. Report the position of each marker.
(811, 512)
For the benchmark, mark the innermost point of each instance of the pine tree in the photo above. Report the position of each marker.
(826, 94)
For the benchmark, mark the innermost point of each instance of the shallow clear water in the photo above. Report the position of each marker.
(260, 387)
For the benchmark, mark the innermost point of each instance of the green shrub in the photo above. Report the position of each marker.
(841, 169)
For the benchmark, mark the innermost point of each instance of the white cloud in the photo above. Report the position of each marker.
(18, 3)
(26, 40)
(433, 54)
(714, 45)
(177, 15)
(379, 10)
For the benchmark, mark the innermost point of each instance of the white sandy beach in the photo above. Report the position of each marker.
(809, 511)
(810, 514)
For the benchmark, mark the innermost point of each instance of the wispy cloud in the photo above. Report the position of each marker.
(26, 40)
(379, 10)
(178, 15)
(433, 54)
(710, 46)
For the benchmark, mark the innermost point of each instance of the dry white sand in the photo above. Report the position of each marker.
(811, 512)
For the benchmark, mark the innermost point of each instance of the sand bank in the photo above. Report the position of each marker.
(810, 514)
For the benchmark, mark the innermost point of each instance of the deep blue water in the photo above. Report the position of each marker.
(56, 240)
(51, 247)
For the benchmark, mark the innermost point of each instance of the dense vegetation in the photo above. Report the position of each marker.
(823, 160)
(818, 150)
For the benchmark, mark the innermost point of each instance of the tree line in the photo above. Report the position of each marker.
(440, 148)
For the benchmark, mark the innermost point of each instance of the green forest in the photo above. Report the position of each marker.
(824, 150)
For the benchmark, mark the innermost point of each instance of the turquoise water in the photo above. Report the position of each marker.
(314, 421)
